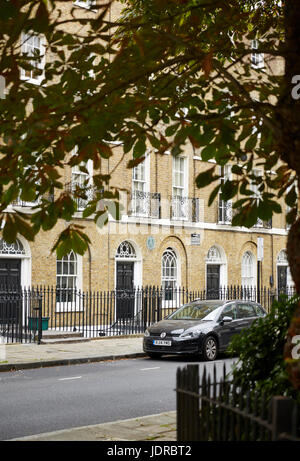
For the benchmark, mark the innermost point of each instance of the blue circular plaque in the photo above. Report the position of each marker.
(150, 243)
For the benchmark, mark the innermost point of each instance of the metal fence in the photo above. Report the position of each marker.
(105, 313)
(219, 411)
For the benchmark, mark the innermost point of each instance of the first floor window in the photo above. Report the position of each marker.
(66, 277)
(89, 4)
(82, 182)
(257, 59)
(179, 199)
(140, 201)
(225, 207)
(33, 47)
(248, 270)
(169, 274)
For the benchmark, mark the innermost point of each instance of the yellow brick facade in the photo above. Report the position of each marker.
(97, 268)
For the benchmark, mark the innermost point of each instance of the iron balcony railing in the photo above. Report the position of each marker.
(23, 203)
(185, 208)
(224, 212)
(145, 204)
(263, 224)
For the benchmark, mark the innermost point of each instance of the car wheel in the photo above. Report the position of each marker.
(154, 355)
(210, 348)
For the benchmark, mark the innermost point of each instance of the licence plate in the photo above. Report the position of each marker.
(159, 342)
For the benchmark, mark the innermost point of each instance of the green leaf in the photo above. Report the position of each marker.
(206, 178)
(208, 152)
(213, 195)
(291, 197)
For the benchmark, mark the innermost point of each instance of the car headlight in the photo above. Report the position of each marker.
(147, 333)
(190, 334)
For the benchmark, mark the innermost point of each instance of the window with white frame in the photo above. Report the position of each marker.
(248, 270)
(254, 187)
(67, 278)
(287, 207)
(81, 182)
(89, 4)
(257, 59)
(140, 204)
(169, 274)
(33, 46)
(179, 189)
(225, 206)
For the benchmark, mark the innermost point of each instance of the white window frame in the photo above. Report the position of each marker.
(77, 304)
(180, 190)
(257, 59)
(88, 4)
(254, 188)
(78, 177)
(248, 271)
(168, 279)
(224, 205)
(141, 183)
(25, 37)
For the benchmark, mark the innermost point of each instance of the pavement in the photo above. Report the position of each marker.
(160, 427)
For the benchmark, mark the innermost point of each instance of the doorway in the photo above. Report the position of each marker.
(125, 290)
(213, 281)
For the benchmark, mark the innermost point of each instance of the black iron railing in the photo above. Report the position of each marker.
(211, 409)
(185, 208)
(105, 313)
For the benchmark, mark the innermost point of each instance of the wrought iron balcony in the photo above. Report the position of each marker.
(82, 195)
(23, 203)
(263, 224)
(185, 208)
(224, 212)
(145, 204)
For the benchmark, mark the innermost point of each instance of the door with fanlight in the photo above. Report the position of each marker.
(10, 294)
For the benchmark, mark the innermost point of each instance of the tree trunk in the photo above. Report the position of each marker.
(289, 107)
(293, 250)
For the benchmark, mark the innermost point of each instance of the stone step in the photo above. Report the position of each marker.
(64, 340)
(57, 334)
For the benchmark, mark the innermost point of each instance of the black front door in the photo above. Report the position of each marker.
(213, 281)
(125, 290)
(10, 273)
(10, 296)
(281, 278)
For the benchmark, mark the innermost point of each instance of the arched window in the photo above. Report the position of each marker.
(214, 255)
(67, 277)
(126, 250)
(282, 257)
(248, 270)
(169, 273)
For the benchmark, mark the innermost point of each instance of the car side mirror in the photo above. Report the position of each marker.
(226, 319)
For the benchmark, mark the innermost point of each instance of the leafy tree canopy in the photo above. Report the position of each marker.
(167, 73)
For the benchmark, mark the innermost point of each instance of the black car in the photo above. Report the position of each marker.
(200, 327)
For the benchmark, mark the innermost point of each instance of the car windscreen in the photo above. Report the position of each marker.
(201, 311)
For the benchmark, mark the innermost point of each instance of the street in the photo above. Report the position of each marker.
(49, 399)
